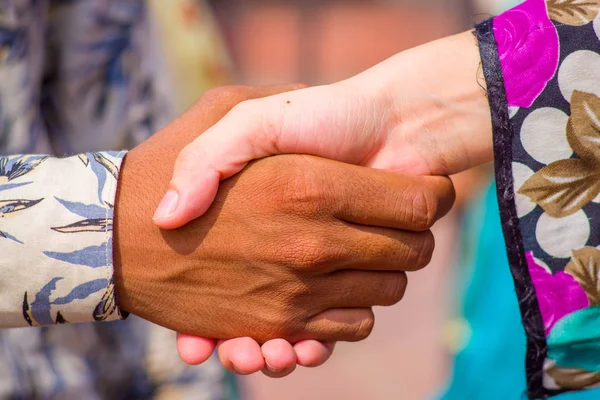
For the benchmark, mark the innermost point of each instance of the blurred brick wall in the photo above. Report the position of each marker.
(323, 41)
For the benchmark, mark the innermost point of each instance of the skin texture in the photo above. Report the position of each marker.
(295, 247)
(290, 239)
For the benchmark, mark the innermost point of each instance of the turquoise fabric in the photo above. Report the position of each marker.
(502, 6)
(577, 348)
(491, 365)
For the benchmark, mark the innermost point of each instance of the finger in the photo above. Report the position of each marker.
(280, 358)
(381, 198)
(241, 355)
(312, 353)
(368, 248)
(339, 325)
(194, 350)
(221, 151)
(361, 289)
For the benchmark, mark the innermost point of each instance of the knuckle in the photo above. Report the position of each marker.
(302, 193)
(423, 249)
(394, 289)
(364, 328)
(424, 210)
(310, 252)
(188, 157)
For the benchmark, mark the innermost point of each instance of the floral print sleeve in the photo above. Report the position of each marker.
(541, 61)
(56, 238)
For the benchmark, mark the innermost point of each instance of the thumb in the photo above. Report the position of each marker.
(222, 151)
(324, 121)
(195, 350)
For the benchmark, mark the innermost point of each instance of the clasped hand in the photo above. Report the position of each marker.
(421, 112)
(294, 247)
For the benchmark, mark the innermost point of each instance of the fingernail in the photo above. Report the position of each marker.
(167, 205)
(272, 369)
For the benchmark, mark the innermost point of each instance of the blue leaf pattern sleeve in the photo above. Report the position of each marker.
(56, 219)
(78, 76)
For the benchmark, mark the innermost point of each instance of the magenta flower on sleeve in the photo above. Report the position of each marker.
(528, 49)
(558, 295)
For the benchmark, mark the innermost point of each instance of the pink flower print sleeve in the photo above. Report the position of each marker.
(528, 50)
(541, 62)
(558, 294)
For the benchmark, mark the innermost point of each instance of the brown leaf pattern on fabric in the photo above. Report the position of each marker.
(572, 378)
(583, 129)
(573, 12)
(565, 186)
(584, 267)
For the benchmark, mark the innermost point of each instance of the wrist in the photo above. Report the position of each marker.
(138, 243)
(124, 272)
(437, 105)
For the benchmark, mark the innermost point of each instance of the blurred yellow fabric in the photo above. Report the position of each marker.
(194, 50)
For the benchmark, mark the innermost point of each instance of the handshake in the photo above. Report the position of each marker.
(291, 252)
(294, 247)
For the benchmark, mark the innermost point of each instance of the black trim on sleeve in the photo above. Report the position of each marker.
(503, 140)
